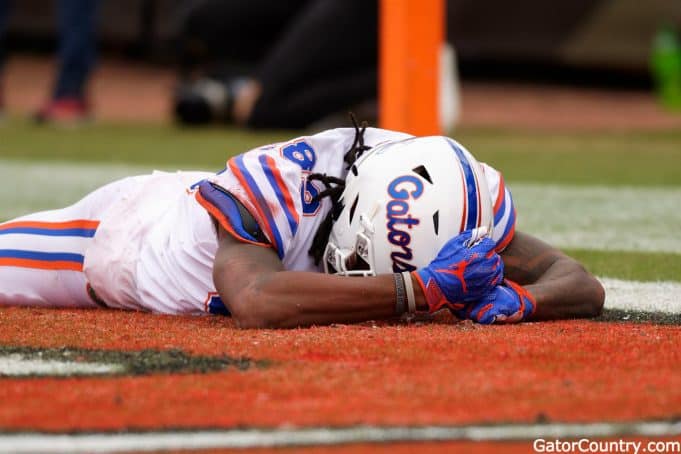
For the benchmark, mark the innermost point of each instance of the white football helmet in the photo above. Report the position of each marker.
(402, 202)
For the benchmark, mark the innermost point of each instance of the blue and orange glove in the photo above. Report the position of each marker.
(506, 303)
(465, 270)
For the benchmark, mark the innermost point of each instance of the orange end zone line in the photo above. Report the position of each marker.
(42, 264)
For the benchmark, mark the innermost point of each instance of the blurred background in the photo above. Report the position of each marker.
(584, 64)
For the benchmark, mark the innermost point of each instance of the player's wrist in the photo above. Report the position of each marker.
(432, 297)
(400, 294)
(419, 292)
(405, 296)
(411, 297)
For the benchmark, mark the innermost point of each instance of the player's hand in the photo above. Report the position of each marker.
(465, 270)
(506, 303)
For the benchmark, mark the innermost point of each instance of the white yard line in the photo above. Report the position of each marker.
(642, 296)
(156, 441)
(16, 365)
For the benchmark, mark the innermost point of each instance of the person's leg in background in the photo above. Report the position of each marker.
(318, 100)
(77, 54)
(230, 35)
(325, 61)
(4, 15)
(219, 43)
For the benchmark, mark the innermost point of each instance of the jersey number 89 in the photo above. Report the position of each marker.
(302, 154)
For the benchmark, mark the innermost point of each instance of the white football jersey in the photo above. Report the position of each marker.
(504, 209)
(154, 249)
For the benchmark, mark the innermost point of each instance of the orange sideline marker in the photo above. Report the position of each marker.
(411, 35)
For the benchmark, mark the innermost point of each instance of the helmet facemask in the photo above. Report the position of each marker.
(355, 261)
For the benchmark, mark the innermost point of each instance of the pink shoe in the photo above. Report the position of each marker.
(64, 111)
(2, 102)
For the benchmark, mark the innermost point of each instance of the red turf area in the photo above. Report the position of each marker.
(436, 373)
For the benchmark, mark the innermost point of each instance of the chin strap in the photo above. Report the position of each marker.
(358, 147)
(334, 189)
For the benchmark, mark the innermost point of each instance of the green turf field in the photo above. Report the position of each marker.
(647, 159)
(609, 199)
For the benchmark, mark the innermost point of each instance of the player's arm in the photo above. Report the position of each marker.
(259, 293)
(560, 285)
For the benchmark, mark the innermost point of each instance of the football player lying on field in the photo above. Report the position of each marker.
(425, 225)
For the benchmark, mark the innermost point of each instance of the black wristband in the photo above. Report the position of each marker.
(400, 294)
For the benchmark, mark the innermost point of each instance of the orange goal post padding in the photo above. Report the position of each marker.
(411, 36)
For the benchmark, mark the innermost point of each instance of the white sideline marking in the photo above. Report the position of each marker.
(601, 217)
(15, 365)
(156, 441)
(49, 185)
(642, 296)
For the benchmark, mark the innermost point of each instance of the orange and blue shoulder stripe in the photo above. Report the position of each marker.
(264, 213)
(230, 213)
(279, 187)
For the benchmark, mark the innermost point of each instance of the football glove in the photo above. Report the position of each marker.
(506, 303)
(465, 270)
